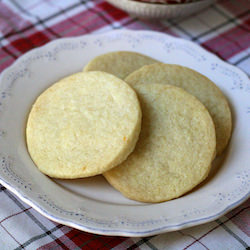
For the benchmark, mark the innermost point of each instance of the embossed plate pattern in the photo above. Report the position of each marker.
(91, 204)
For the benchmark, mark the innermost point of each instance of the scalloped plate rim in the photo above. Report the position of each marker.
(113, 232)
(21, 194)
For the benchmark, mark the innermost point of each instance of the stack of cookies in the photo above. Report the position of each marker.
(151, 129)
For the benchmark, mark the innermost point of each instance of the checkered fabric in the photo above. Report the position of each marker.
(165, 1)
(223, 28)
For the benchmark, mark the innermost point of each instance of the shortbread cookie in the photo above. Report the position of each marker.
(196, 84)
(120, 63)
(83, 125)
(175, 148)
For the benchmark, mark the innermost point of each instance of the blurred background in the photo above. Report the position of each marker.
(222, 27)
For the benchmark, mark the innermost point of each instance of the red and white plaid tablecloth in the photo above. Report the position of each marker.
(224, 29)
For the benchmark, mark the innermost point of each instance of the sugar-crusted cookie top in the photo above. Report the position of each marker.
(83, 125)
(175, 148)
(196, 84)
(120, 63)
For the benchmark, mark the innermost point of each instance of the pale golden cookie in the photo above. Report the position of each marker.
(120, 63)
(83, 125)
(196, 84)
(175, 148)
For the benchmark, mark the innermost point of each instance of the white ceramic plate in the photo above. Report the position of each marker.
(91, 204)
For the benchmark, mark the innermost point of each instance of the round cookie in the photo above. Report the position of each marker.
(175, 147)
(83, 125)
(196, 84)
(120, 63)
